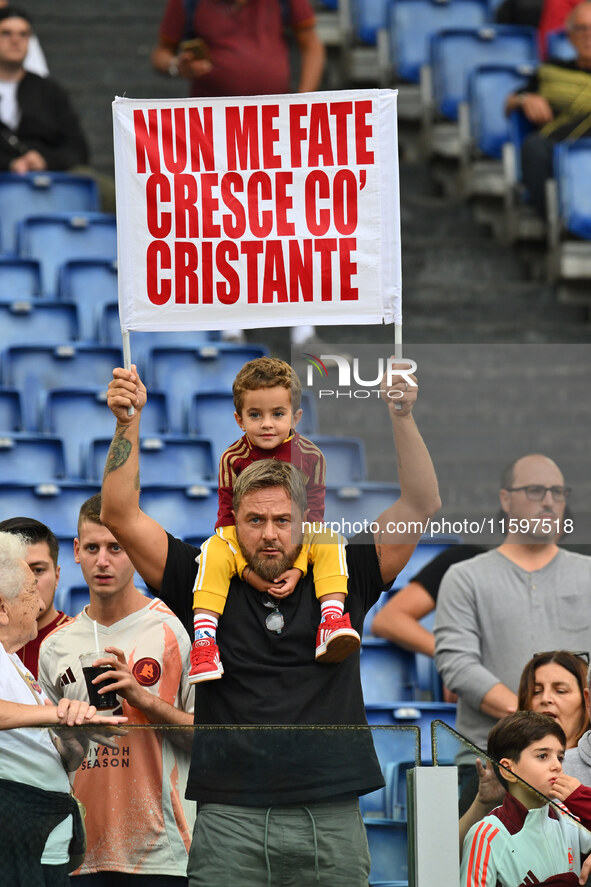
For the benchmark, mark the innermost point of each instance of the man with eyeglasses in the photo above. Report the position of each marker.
(495, 610)
(556, 100)
(275, 802)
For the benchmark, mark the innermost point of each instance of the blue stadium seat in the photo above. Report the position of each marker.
(388, 673)
(71, 599)
(78, 415)
(197, 541)
(109, 333)
(488, 88)
(24, 457)
(388, 849)
(519, 128)
(558, 46)
(428, 678)
(11, 413)
(308, 424)
(55, 239)
(91, 284)
(413, 714)
(26, 322)
(184, 370)
(368, 17)
(70, 573)
(345, 458)
(392, 747)
(37, 368)
(163, 460)
(40, 193)
(369, 616)
(55, 504)
(182, 510)
(19, 279)
(395, 777)
(427, 548)
(572, 167)
(411, 23)
(211, 414)
(350, 505)
(456, 52)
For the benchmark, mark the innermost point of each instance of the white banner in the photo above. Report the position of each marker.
(255, 212)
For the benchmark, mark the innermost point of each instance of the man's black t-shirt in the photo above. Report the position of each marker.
(273, 680)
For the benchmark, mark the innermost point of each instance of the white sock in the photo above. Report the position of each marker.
(205, 626)
(331, 610)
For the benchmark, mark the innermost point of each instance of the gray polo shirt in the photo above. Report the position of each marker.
(493, 615)
(577, 761)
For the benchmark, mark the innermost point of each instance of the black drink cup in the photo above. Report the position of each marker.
(101, 701)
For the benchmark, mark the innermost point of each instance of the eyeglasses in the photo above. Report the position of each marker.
(536, 492)
(581, 654)
(580, 29)
(274, 620)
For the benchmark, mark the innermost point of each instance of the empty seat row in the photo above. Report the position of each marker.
(88, 290)
(180, 371)
(41, 193)
(163, 459)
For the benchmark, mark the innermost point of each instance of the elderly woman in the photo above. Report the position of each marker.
(39, 821)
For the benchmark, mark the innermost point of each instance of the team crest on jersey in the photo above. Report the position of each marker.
(147, 671)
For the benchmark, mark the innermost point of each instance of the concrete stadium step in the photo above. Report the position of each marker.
(456, 259)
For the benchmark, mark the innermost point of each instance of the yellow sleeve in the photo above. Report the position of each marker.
(326, 551)
(216, 566)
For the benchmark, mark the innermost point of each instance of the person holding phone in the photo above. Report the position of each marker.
(239, 47)
(242, 48)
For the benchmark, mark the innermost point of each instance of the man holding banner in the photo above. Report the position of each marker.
(277, 793)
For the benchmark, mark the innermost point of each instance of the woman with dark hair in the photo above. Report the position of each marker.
(553, 683)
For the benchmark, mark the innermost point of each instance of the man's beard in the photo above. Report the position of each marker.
(269, 568)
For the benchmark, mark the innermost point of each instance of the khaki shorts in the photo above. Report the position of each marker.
(293, 846)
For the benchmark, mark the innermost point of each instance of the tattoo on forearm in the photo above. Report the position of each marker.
(118, 451)
(136, 480)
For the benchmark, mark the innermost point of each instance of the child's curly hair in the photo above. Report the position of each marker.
(266, 372)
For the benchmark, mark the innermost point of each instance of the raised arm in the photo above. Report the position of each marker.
(398, 620)
(400, 527)
(144, 540)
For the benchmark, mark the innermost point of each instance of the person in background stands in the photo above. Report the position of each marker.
(557, 101)
(245, 53)
(42, 556)
(39, 128)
